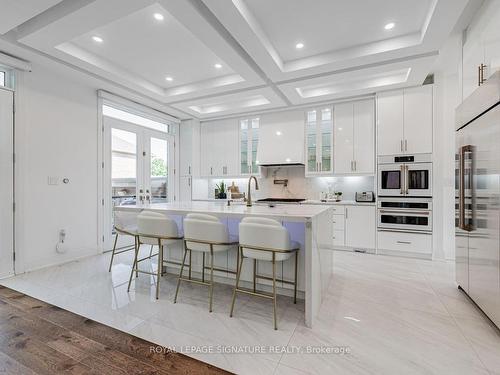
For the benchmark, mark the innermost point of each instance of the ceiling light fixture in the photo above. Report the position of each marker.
(218, 66)
(299, 45)
(169, 79)
(278, 133)
(158, 16)
(97, 39)
(389, 26)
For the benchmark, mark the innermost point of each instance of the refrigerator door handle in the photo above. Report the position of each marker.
(461, 188)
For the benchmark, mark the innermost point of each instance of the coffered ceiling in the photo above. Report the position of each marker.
(212, 58)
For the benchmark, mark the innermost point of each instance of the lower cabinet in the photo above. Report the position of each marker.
(360, 227)
(354, 227)
(412, 244)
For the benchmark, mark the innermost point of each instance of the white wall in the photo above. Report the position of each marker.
(56, 135)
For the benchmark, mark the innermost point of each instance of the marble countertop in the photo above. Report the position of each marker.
(341, 203)
(289, 211)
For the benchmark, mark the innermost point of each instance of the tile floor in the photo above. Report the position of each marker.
(394, 315)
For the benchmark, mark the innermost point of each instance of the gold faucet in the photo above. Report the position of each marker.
(249, 199)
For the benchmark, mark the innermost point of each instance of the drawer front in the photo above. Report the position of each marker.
(338, 210)
(405, 242)
(338, 222)
(338, 238)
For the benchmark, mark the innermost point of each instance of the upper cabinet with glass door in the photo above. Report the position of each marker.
(319, 141)
(249, 142)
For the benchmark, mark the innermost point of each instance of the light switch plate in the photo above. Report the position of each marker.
(52, 180)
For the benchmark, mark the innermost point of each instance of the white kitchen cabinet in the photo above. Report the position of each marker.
(481, 46)
(390, 122)
(185, 188)
(405, 243)
(418, 120)
(405, 121)
(319, 141)
(360, 227)
(219, 148)
(189, 151)
(248, 146)
(354, 125)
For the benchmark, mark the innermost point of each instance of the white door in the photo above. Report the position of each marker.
(364, 131)
(138, 169)
(390, 122)
(343, 138)
(418, 120)
(360, 227)
(6, 182)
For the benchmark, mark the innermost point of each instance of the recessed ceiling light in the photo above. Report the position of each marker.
(158, 16)
(169, 79)
(299, 45)
(218, 66)
(389, 26)
(278, 133)
(97, 39)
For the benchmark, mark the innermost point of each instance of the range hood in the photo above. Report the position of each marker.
(281, 139)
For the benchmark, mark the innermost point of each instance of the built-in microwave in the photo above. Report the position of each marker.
(405, 176)
(405, 214)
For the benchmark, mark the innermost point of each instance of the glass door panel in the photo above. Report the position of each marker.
(326, 140)
(123, 167)
(254, 145)
(244, 162)
(311, 141)
(158, 171)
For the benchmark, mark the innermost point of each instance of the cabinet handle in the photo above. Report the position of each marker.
(479, 75)
(189, 181)
(482, 73)
(401, 146)
(346, 213)
(404, 242)
(189, 170)
(211, 171)
(355, 165)
(406, 145)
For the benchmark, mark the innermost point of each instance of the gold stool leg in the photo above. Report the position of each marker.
(134, 265)
(274, 291)
(295, 281)
(254, 275)
(113, 252)
(190, 263)
(160, 266)
(238, 274)
(137, 243)
(151, 251)
(211, 287)
(203, 268)
(180, 275)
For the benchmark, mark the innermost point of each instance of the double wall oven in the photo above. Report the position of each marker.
(400, 176)
(405, 193)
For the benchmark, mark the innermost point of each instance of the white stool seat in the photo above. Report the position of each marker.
(126, 222)
(206, 229)
(268, 234)
(152, 226)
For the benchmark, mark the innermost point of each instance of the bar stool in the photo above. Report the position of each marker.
(125, 225)
(205, 234)
(263, 239)
(154, 228)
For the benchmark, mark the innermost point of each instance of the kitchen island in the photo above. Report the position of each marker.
(310, 225)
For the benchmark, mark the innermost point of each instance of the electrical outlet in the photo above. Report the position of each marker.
(53, 180)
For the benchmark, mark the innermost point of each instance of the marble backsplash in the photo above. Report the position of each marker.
(298, 185)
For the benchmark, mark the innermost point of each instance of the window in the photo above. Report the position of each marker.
(134, 119)
(2, 78)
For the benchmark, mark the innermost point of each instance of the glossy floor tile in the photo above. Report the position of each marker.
(381, 315)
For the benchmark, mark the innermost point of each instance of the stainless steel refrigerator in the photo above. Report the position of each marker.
(477, 198)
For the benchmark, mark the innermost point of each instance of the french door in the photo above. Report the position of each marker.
(6, 182)
(138, 169)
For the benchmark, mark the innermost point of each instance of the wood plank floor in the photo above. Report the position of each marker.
(39, 338)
